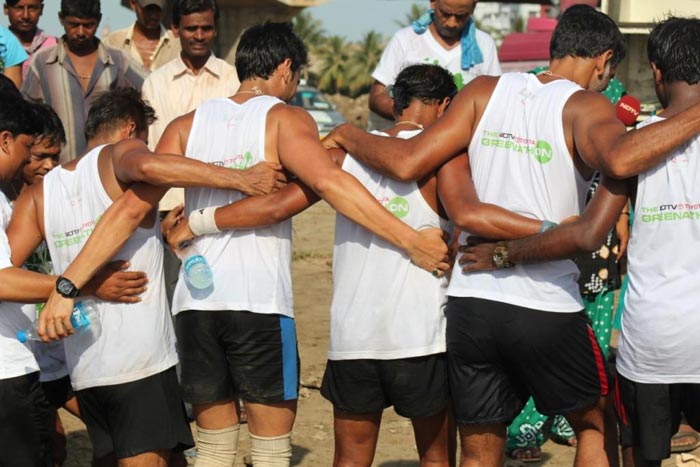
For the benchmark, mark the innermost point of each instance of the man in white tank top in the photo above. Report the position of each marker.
(290, 137)
(120, 397)
(586, 47)
(658, 370)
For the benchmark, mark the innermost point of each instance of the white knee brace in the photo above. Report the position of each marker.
(217, 448)
(271, 452)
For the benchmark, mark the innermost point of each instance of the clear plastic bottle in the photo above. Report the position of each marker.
(198, 273)
(84, 318)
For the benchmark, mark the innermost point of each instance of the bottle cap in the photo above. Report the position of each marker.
(22, 336)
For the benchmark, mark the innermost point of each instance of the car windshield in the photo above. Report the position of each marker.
(311, 100)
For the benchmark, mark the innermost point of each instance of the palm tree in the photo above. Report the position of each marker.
(308, 29)
(333, 56)
(415, 13)
(363, 62)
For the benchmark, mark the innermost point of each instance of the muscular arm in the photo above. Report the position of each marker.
(458, 196)
(415, 158)
(564, 241)
(300, 151)
(380, 102)
(604, 144)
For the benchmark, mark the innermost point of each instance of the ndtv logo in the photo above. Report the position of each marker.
(629, 108)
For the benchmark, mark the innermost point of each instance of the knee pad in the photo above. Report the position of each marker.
(217, 448)
(271, 452)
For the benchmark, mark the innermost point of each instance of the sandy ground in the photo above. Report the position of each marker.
(313, 431)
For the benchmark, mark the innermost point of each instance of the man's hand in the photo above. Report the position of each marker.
(54, 319)
(264, 178)
(171, 219)
(429, 251)
(114, 283)
(477, 257)
(330, 141)
(179, 233)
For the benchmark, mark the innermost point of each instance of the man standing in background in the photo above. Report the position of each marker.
(23, 16)
(146, 41)
(445, 35)
(68, 75)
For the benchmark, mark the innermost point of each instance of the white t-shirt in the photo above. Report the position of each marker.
(520, 161)
(137, 339)
(16, 359)
(384, 307)
(658, 343)
(408, 48)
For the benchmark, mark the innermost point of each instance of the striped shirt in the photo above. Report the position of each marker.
(52, 79)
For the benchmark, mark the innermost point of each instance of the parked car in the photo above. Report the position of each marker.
(324, 113)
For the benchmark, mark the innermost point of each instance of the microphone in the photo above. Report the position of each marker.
(628, 108)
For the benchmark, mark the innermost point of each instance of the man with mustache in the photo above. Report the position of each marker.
(23, 16)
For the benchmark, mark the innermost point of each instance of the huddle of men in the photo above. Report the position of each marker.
(510, 329)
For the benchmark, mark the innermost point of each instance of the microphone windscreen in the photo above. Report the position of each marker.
(628, 108)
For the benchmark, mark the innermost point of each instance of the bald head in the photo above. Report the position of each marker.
(452, 16)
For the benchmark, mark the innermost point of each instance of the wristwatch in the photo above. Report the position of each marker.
(66, 288)
(500, 256)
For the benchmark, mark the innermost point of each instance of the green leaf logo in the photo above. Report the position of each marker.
(543, 152)
(398, 206)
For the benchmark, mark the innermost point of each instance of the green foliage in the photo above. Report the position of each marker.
(363, 62)
(334, 57)
(309, 30)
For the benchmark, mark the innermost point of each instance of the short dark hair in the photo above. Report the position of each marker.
(187, 7)
(15, 2)
(7, 85)
(113, 108)
(18, 116)
(81, 8)
(428, 83)
(263, 47)
(52, 131)
(673, 47)
(583, 31)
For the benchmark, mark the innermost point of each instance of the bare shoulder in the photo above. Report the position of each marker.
(176, 134)
(588, 103)
(292, 117)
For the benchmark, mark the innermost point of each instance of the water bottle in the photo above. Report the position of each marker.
(84, 318)
(196, 267)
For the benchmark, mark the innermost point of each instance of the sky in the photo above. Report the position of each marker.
(349, 18)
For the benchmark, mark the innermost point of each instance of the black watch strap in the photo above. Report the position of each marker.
(66, 287)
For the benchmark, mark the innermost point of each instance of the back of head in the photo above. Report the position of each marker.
(584, 32)
(81, 8)
(18, 116)
(674, 47)
(113, 109)
(264, 47)
(430, 84)
(187, 7)
(52, 129)
(6, 85)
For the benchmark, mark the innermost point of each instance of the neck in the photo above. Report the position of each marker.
(150, 34)
(447, 43)
(100, 139)
(254, 87)
(195, 64)
(577, 70)
(82, 51)
(680, 96)
(25, 37)
(413, 118)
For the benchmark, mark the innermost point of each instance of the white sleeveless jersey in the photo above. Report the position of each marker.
(16, 359)
(658, 343)
(384, 307)
(519, 161)
(137, 340)
(251, 268)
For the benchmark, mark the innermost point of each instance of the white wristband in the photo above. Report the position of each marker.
(202, 221)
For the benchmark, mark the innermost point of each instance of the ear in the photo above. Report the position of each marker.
(442, 107)
(6, 140)
(60, 19)
(285, 69)
(175, 30)
(658, 75)
(602, 61)
(128, 131)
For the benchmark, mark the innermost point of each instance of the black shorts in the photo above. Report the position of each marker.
(133, 418)
(58, 391)
(500, 354)
(227, 354)
(416, 387)
(26, 422)
(650, 414)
